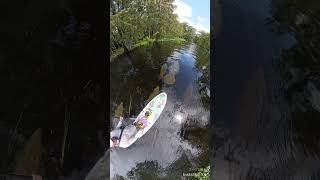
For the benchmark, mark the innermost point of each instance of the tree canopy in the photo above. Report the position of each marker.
(132, 21)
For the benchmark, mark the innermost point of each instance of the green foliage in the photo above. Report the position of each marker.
(116, 53)
(188, 32)
(203, 64)
(203, 173)
(175, 40)
(144, 41)
(140, 22)
(203, 52)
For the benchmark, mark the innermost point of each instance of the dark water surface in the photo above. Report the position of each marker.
(179, 140)
(266, 98)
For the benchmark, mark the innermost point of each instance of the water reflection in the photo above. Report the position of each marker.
(299, 67)
(180, 137)
(268, 128)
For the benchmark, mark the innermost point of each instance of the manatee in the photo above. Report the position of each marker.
(169, 79)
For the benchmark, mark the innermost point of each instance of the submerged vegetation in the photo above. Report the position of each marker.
(139, 22)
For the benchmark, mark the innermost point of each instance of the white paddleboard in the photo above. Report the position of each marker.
(156, 105)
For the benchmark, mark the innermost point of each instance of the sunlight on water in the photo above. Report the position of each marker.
(165, 143)
(179, 117)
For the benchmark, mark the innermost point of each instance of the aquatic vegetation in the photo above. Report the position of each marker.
(175, 40)
(144, 41)
(28, 160)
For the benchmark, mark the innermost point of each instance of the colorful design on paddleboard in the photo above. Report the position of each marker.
(156, 106)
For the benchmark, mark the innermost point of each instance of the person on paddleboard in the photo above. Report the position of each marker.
(125, 133)
(143, 121)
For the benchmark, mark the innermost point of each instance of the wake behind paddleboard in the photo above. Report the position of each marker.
(156, 105)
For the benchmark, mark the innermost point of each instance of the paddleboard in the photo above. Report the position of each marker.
(156, 105)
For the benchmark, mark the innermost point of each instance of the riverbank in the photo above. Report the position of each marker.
(144, 42)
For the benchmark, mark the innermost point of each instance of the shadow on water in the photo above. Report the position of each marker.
(136, 76)
(179, 140)
(267, 109)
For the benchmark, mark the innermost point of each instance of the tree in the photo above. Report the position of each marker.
(188, 32)
(132, 21)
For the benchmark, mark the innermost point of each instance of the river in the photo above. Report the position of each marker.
(265, 104)
(179, 140)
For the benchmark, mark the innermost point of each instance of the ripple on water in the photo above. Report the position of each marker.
(163, 142)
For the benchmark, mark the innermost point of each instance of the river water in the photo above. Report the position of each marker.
(179, 140)
(266, 80)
